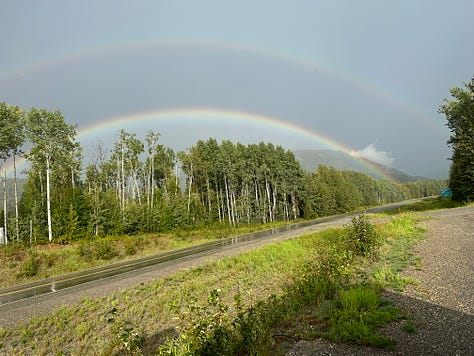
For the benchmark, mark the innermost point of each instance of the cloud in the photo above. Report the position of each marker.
(370, 152)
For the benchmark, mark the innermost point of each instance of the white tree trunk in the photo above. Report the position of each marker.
(15, 188)
(190, 180)
(48, 199)
(5, 205)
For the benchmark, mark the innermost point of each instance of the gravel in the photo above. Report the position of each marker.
(440, 309)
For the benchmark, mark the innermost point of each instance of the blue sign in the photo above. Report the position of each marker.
(446, 193)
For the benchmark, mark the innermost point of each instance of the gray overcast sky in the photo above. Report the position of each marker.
(364, 74)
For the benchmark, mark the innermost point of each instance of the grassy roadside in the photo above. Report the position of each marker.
(22, 263)
(240, 305)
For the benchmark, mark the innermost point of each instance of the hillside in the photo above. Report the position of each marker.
(311, 159)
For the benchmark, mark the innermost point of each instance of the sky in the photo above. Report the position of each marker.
(365, 77)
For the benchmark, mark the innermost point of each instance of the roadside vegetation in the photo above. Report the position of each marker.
(429, 204)
(318, 285)
(138, 186)
(24, 263)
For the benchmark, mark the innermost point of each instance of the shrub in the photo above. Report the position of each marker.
(133, 244)
(85, 250)
(104, 250)
(363, 237)
(99, 250)
(29, 267)
(125, 337)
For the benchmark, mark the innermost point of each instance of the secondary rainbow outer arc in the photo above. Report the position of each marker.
(219, 115)
(362, 83)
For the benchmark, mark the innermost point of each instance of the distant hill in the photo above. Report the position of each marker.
(311, 159)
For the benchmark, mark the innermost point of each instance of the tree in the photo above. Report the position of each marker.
(460, 120)
(12, 137)
(53, 142)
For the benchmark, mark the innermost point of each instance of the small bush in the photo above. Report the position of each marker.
(363, 237)
(125, 336)
(85, 250)
(104, 250)
(99, 250)
(133, 245)
(30, 267)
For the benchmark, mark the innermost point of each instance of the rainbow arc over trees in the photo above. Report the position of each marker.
(209, 115)
(181, 116)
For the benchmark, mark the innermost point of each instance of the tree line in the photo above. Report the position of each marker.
(141, 186)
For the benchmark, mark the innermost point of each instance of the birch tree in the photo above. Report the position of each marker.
(52, 141)
(12, 137)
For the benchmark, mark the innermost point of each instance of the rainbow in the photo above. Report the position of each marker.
(382, 94)
(181, 117)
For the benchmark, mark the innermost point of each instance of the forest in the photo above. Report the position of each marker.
(141, 186)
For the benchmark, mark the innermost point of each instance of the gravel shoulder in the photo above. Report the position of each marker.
(441, 307)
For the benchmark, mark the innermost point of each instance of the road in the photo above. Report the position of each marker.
(20, 302)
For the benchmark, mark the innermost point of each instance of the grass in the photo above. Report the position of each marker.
(256, 303)
(358, 313)
(435, 203)
(401, 234)
(25, 264)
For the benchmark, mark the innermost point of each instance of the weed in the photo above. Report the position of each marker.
(417, 263)
(219, 322)
(409, 327)
(125, 336)
(204, 331)
(385, 277)
(133, 245)
(85, 250)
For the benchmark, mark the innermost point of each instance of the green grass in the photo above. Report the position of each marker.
(435, 203)
(401, 235)
(27, 264)
(358, 313)
(295, 288)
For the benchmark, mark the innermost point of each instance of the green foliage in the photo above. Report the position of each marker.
(133, 245)
(226, 183)
(363, 236)
(358, 313)
(125, 336)
(262, 293)
(460, 120)
(30, 266)
(409, 327)
(97, 249)
(204, 329)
